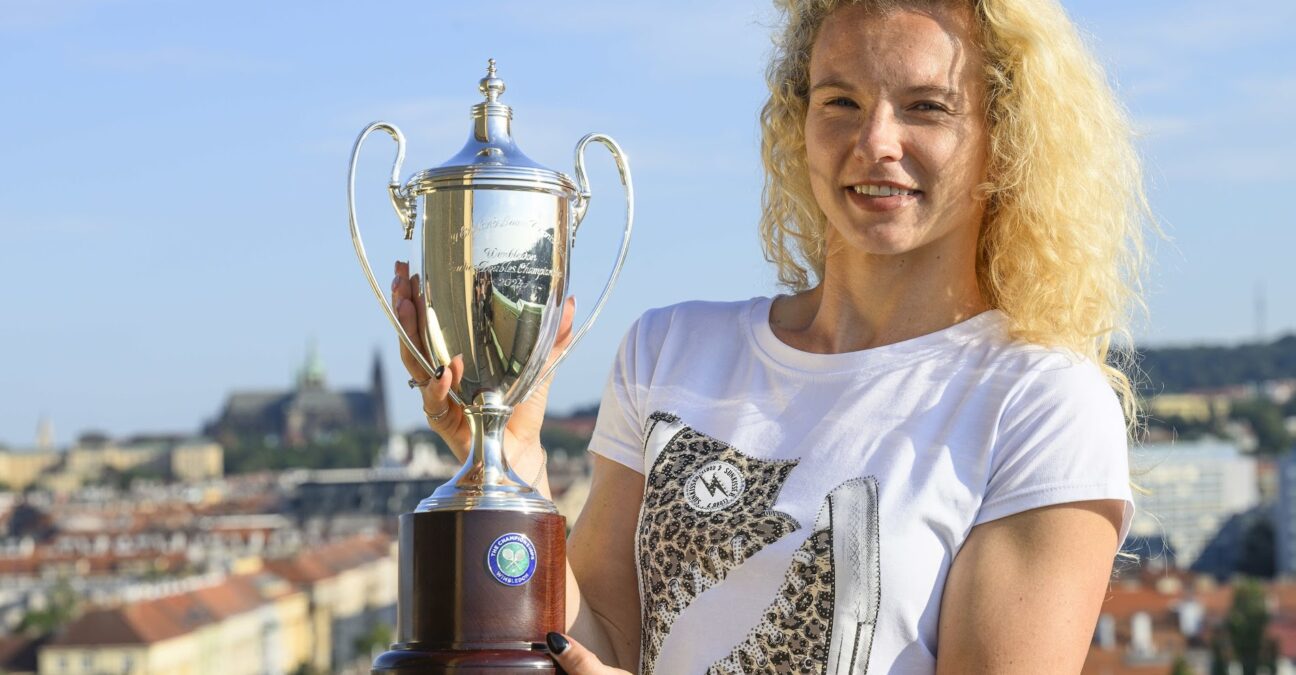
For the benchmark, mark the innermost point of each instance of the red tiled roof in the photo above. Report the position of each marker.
(168, 617)
(237, 595)
(99, 627)
(156, 620)
(1122, 602)
(14, 567)
(1112, 662)
(103, 563)
(332, 559)
(300, 569)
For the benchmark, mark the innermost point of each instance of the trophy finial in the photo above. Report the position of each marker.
(490, 85)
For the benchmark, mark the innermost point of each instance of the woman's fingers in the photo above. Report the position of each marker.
(403, 303)
(438, 390)
(575, 659)
(436, 395)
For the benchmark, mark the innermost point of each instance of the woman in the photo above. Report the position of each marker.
(916, 461)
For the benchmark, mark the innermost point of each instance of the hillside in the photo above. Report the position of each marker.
(1179, 369)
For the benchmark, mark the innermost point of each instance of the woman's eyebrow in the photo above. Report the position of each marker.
(935, 91)
(925, 90)
(830, 83)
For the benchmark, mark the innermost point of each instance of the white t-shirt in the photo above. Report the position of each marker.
(803, 509)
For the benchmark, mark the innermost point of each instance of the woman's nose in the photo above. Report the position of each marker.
(879, 138)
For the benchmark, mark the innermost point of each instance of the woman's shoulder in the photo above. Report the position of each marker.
(1038, 371)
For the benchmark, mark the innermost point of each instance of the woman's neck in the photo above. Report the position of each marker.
(866, 301)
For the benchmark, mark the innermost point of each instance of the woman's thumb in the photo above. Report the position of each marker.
(574, 659)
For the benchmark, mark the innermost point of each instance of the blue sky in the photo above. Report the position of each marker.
(172, 192)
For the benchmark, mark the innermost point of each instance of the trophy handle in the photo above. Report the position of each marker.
(404, 205)
(582, 203)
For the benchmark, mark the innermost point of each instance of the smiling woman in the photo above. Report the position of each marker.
(914, 461)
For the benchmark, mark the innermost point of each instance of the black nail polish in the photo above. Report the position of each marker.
(557, 643)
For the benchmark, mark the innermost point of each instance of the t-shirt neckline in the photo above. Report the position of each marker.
(990, 322)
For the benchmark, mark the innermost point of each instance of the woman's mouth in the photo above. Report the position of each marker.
(876, 197)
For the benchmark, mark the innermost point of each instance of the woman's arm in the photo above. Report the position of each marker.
(1024, 592)
(602, 577)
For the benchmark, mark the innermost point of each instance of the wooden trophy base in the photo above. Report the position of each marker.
(473, 597)
(479, 662)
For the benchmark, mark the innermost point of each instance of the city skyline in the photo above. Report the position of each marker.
(173, 202)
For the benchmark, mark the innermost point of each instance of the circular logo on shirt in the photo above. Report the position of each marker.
(512, 559)
(715, 486)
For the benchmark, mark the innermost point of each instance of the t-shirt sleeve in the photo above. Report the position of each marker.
(1062, 438)
(618, 429)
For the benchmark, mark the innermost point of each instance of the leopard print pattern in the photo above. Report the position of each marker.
(684, 551)
(796, 631)
(793, 634)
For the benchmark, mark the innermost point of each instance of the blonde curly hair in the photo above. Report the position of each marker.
(1061, 251)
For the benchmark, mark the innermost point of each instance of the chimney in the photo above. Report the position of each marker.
(1190, 617)
(1141, 635)
(1107, 632)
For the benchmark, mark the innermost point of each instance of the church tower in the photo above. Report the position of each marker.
(379, 394)
(311, 375)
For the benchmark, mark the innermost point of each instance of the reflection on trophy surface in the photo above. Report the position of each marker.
(482, 565)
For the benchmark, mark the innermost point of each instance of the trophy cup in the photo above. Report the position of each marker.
(482, 560)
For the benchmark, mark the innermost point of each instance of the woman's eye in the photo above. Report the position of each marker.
(840, 101)
(929, 106)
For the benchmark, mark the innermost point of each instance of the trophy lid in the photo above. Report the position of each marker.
(491, 158)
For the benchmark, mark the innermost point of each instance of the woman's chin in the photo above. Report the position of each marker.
(878, 240)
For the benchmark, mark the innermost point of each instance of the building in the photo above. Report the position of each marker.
(331, 493)
(1145, 624)
(188, 460)
(352, 586)
(178, 458)
(19, 470)
(1199, 408)
(1284, 515)
(309, 412)
(196, 461)
(250, 624)
(1193, 490)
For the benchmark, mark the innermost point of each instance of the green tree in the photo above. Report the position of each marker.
(379, 636)
(1266, 422)
(340, 450)
(1221, 655)
(1181, 667)
(561, 441)
(60, 608)
(1242, 637)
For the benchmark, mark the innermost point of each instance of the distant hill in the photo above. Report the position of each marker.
(1179, 369)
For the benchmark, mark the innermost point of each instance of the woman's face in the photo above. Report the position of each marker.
(896, 136)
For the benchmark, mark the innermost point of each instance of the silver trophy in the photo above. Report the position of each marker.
(482, 572)
(498, 230)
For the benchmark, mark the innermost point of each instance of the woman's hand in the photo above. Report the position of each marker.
(444, 416)
(575, 659)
